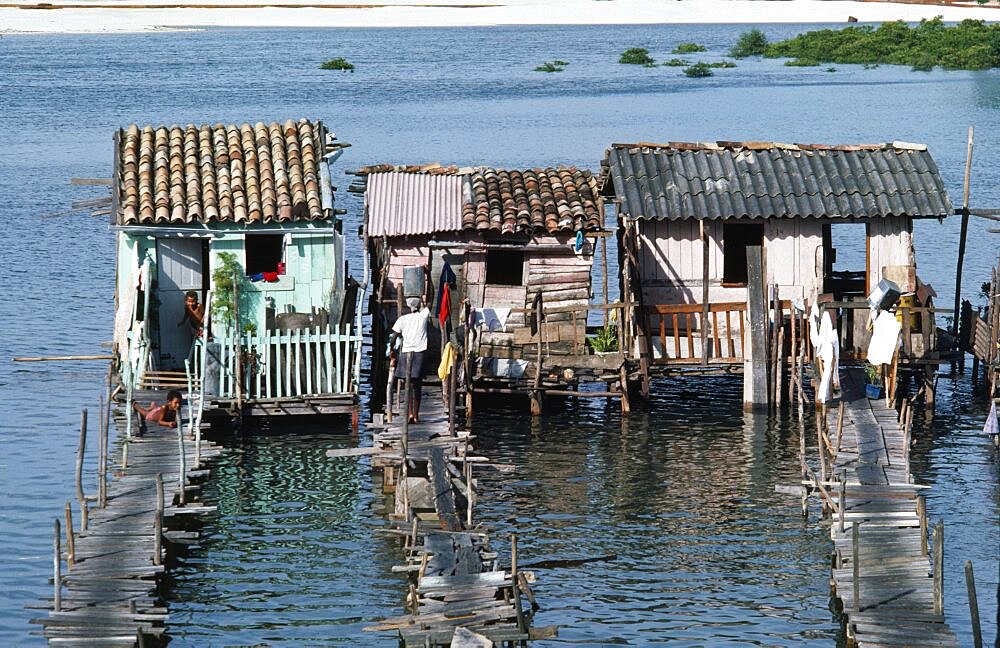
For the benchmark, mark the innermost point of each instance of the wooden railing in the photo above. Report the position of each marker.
(918, 333)
(275, 365)
(679, 330)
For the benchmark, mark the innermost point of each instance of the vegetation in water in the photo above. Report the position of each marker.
(751, 43)
(802, 62)
(606, 339)
(227, 277)
(636, 56)
(721, 64)
(699, 70)
(831, 69)
(969, 45)
(688, 48)
(338, 63)
(552, 66)
(676, 62)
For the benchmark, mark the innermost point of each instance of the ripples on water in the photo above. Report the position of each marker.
(683, 494)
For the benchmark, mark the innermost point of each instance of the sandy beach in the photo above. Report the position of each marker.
(125, 16)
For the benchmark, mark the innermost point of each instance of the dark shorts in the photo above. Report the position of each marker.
(416, 368)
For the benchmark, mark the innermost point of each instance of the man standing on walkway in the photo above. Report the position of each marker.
(412, 328)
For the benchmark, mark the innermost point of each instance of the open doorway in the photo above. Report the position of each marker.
(845, 256)
(181, 266)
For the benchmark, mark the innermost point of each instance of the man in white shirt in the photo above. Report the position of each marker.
(412, 328)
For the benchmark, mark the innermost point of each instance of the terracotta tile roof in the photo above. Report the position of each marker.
(243, 174)
(500, 200)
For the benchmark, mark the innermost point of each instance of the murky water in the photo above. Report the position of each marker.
(707, 553)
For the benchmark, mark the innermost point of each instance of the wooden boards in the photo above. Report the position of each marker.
(882, 574)
(108, 593)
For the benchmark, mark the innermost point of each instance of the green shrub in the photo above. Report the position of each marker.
(606, 339)
(636, 56)
(688, 48)
(751, 43)
(802, 62)
(722, 64)
(831, 69)
(338, 64)
(554, 66)
(969, 45)
(699, 70)
(676, 62)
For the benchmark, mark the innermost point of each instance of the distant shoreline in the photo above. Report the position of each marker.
(113, 16)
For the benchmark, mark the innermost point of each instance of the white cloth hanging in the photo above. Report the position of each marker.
(826, 346)
(885, 339)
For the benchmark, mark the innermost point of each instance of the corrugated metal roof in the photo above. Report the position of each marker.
(769, 180)
(398, 204)
(421, 200)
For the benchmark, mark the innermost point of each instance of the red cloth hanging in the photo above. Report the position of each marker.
(444, 307)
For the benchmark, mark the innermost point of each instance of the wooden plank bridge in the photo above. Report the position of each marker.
(458, 592)
(891, 595)
(108, 594)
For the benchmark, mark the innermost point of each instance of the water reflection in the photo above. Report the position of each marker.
(287, 559)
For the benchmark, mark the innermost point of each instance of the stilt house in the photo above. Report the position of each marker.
(242, 216)
(517, 240)
(689, 212)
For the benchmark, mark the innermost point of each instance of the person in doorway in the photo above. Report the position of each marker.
(194, 313)
(166, 414)
(412, 328)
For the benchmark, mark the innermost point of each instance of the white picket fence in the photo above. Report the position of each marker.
(306, 362)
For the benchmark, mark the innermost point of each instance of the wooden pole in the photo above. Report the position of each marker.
(452, 386)
(181, 463)
(158, 522)
(63, 358)
(56, 571)
(970, 584)
(963, 233)
(856, 564)
(102, 455)
(521, 625)
(704, 293)
(404, 441)
(779, 365)
(843, 498)
(80, 495)
(840, 428)
(536, 394)
(70, 541)
(604, 282)
(922, 515)
(939, 568)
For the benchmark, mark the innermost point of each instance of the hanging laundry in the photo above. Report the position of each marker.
(992, 427)
(447, 361)
(492, 319)
(885, 339)
(256, 277)
(823, 336)
(270, 276)
(579, 242)
(442, 305)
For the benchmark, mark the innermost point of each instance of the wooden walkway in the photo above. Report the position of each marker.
(458, 592)
(108, 593)
(882, 573)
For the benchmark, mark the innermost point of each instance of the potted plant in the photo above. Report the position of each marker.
(873, 378)
(606, 340)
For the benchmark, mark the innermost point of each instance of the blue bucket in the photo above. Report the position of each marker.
(873, 391)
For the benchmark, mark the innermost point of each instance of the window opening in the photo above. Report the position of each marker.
(264, 252)
(736, 238)
(505, 267)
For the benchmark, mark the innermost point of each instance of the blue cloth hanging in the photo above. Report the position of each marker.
(579, 241)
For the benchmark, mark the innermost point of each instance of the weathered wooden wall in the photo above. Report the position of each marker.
(890, 243)
(551, 266)
(671, 258)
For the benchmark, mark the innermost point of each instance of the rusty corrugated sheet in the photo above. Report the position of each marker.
(400, 204)
(766, 180)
